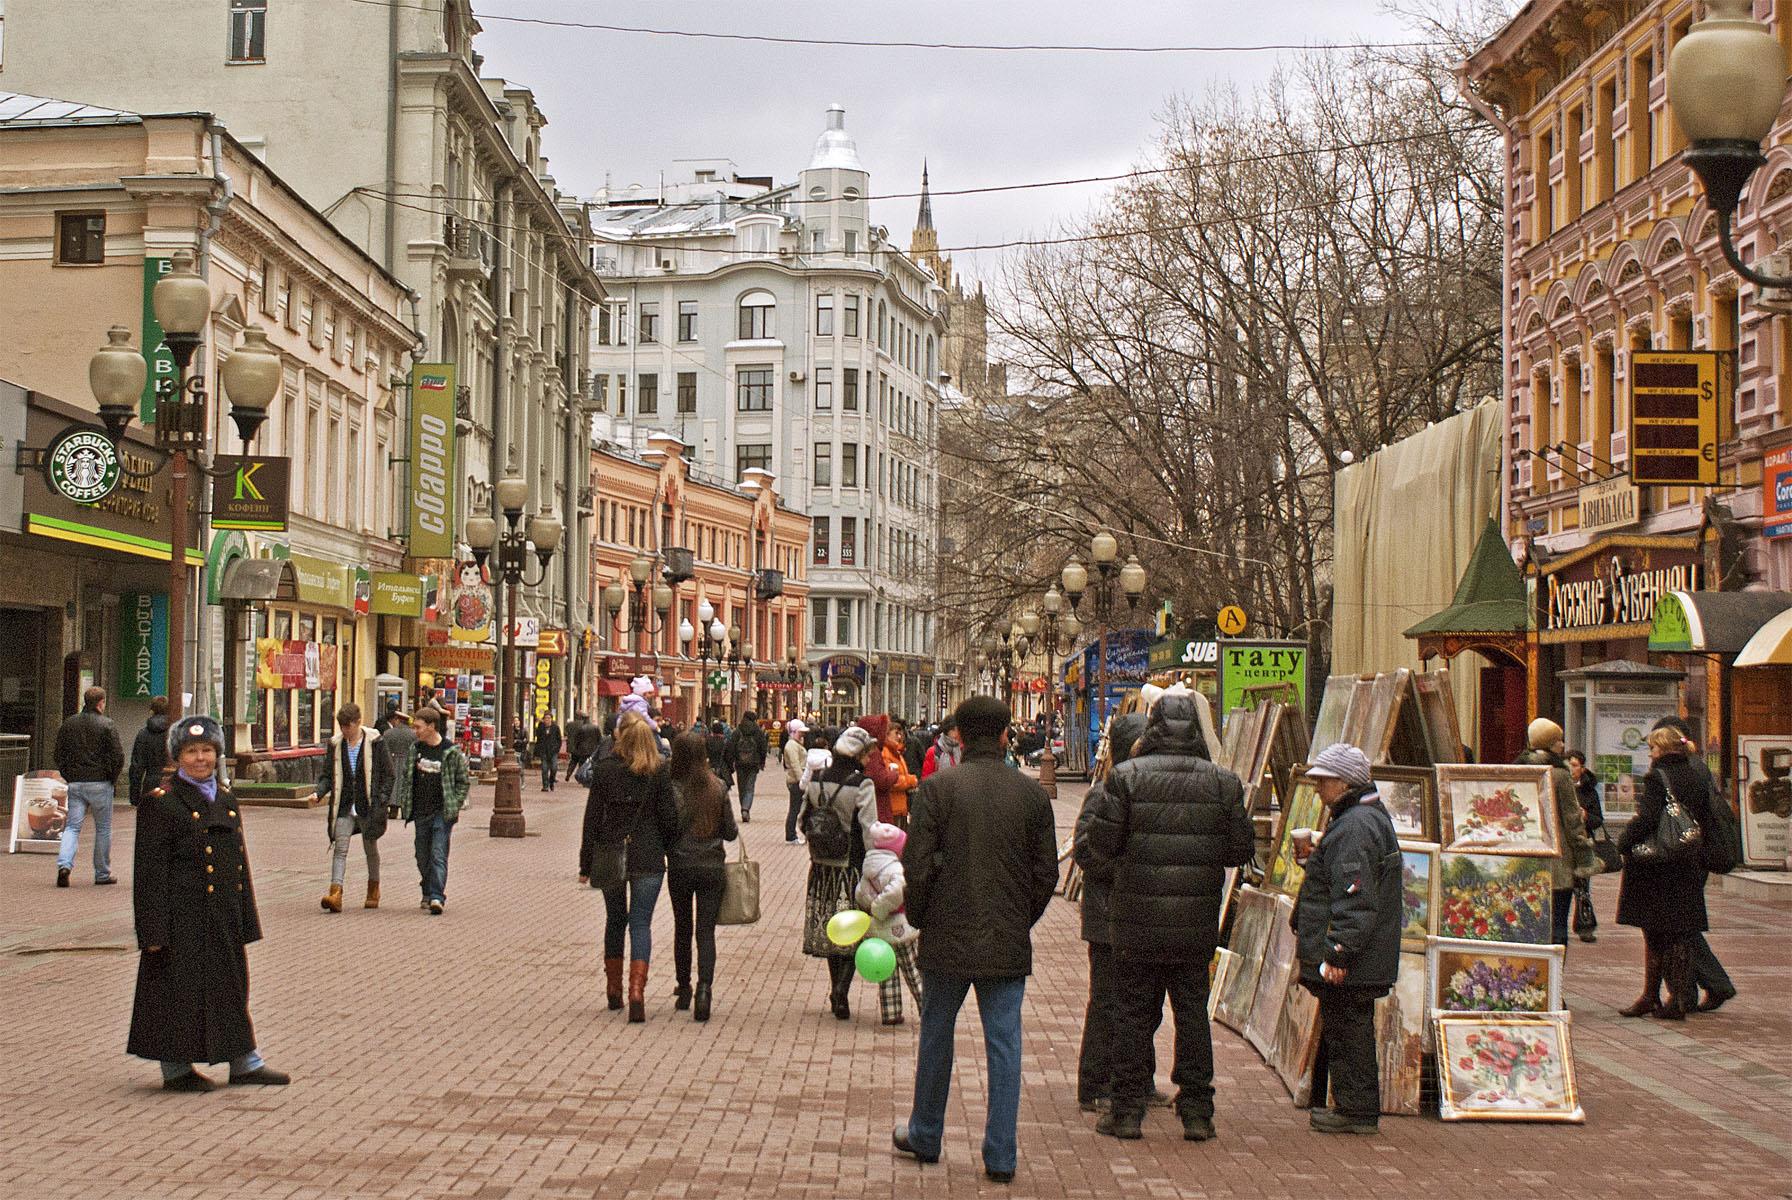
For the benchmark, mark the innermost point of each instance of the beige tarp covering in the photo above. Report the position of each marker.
(1405, 522)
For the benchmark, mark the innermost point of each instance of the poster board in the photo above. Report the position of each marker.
(39, 814)
(1764, 790)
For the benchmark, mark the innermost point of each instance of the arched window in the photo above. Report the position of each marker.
(932, 367)
(758, 313)
(450, 348)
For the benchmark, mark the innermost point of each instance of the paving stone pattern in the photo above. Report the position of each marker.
(471, 1055)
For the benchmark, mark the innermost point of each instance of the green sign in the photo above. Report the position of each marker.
(164, 376)
(1184, 654)
(1252, 664)
(250, 493)
(431, 522)
(322, 582)
(1672, 630)
(142, 645)
(397, 595)
(82, 465)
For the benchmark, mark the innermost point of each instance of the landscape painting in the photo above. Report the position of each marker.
(1410, 796)
(1494, 898)
(1421, 893)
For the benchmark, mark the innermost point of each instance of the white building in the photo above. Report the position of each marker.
(777, 327)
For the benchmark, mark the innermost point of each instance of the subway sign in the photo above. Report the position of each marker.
(1673, 417)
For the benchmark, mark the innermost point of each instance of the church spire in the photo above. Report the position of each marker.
(925, 219)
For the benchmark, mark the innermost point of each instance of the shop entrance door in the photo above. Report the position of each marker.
(23, 637)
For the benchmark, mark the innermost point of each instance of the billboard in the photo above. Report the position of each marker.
(431, 520)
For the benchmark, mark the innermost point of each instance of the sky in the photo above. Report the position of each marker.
(621, 107)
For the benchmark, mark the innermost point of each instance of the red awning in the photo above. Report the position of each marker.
(612, 687)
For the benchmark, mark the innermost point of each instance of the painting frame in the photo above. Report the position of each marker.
(1304, 809)
(1403, 1036)
(1437, 714)
(1424, 778)
(1468, 792)
(1334, 702)
(1495, 898)
(1250, 934)
(1547, 1038)
(1280, 967)
(1419, 938)
(1446, 957)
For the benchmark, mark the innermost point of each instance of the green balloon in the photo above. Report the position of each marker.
(875, 959)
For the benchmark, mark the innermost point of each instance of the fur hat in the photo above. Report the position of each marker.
(1341, 761)
(1543, 734)
(877, 725)
(195, 728)
(854, 740)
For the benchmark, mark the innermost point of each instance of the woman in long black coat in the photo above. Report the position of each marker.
(195, 914)
(1665, 900)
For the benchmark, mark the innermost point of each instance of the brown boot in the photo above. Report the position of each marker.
(332, 900)
(637, 991)
(373, 895)
(1650, 1000)
(613, 982)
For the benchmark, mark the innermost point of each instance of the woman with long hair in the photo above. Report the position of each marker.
(694, 872)
(839, 809)
(1666, 900)
(630, 810)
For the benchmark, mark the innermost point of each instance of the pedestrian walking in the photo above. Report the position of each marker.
(747, 752)
(1574, 857)
(89, 757)
(716, 744)
(903, 781)
(1586, 792)
(694, 870)
(548, 740)
(389, 714)
(519, 739)
(429, 790)
(583, 736)
(395, 743)
(356, 786)
(1167, 825)
(194, 905)
(149, 753)
(913, 752)
(795, 752)
(1708, 973)
(982, 860)
(1347, 925)
(630, 816)
(839, 808)
(946, 751)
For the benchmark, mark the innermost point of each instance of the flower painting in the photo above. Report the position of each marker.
(1494, 898)
(1472, 976)
(1506, 1068)
(1420, 888)
(1497, 810)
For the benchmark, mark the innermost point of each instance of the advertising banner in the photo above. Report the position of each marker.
(251, 493)
(1673, 416)
(396, 594)
(164, 376)
(431, 523)
(1764, 786)
(142, 645)
(1776, 493)
(1252, 664)
(39, 813)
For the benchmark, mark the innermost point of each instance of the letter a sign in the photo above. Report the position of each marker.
(432, 461)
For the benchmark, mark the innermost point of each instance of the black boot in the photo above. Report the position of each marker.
(681, 997)
(700, 1011)
(840, 972)
(1128, 1124)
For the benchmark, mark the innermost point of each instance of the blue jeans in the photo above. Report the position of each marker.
(240, 1065)
(998, 1006)
(630, 906)
(84, 798)
(432, 856)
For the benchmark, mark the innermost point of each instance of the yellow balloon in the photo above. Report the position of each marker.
(846, 927)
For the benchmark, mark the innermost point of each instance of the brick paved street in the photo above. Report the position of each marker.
(472, 1055)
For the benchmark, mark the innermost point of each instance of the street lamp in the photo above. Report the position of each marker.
(508, 550)
(1726, 79)
(795, 677)
(1104, 551)
(1050, 630)
(647, 607)
(708, 634)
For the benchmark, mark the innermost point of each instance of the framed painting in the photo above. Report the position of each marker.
(1400, 1037)
(1421, 893)
(1410, 796)
(1494, 898)
(1230, 739)
(1356, 715)
(1250, 934)
(1219, 974)
(1497, 810)
(1272, 980)
(1386, 695)
(1503, 977)
(1304, 810)
(1295, 1041)
(1226, 890)
(1328, 727)
(1437, 709)
(1506, 1068)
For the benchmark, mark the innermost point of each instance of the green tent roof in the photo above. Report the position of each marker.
(1490, 598)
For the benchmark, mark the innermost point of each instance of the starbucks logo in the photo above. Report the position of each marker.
(82, 465)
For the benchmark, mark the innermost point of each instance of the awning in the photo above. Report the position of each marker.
(1713, 622)
(612, 687)
(1771, 646)
(257, 579)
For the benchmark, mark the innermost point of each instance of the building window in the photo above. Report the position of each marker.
(819, 537)
(648, 317)
(647, 400)
(757, 316)
(622, 395)
(817, 241)
(687, 391)
(852, 243)
(248, 30)
(843, 626)
(753, 389)
(818, 623)
(687, 320)
(81, 239)
(824, 388)
(824, 464)
(746, 457)
(1545, 212)
(849, 394)
(824, 315)
(849, 538)
(600, 393)
(603, 325)
(849, 466)
(850, 315)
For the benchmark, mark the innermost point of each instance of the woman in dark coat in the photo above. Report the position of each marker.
(195, 914)
(841, 797)
(1665, 900)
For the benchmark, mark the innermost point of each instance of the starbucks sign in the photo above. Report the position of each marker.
(82, 465)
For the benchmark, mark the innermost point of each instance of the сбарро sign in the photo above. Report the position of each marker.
(431, 524)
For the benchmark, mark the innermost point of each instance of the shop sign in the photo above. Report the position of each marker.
(455, 659)
(1764, 787)
(1256, 664)
(1671, 631)
(251, 492)
(525, 632)
(841, 666)
(1184, 654)
(431, 523)
(627, 666)
(1776, 493)
(1231, 620)
(142, 644)
(164, 375)
(551, 643)
(1673, 417)
(396, 594)
(1612, 590)
(81, 464)
(1608, 504)
(470, 605)
(544, 680)
(321, 582)
(945, 695)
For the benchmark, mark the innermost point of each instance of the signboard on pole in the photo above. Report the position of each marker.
(142, 645)
(431, 524)
(1776, 493)
(251, 493)
(1249, 664)
(164, 375)
(397, 595)
(1673, 417)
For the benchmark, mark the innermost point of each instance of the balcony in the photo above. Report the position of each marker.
(469, 249)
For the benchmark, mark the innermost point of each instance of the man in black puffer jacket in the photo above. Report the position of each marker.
(1167, 826)
(1347, 924)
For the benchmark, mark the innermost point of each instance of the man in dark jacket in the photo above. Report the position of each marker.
(149, 752)
(547, 749)
(1347, 925)
(582, 738)
(89, 757)
(981, 862)
(746, 754)
(1167, 826)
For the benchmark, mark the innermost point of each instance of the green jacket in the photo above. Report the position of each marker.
(1576, 859)
(456, 779)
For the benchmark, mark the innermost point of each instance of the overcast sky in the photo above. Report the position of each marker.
(623, 106)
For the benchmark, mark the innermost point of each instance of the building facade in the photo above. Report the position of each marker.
(93, 203)
(779, 329)
(1613, 254)
(379, 117)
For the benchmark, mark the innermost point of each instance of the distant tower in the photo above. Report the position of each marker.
(836, 215)
(924, 242)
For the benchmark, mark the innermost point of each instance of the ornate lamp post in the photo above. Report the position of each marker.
(647, 607)
(509, 553)
(1045, 629)
(1104, 550)
(795, 677)
(740, 659)
(709, 635)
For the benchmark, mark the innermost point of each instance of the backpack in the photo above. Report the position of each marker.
(829, 838)
(1721, 849)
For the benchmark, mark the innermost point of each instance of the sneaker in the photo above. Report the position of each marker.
(793, 841)
(62, 876)
(435, 908)
(1325, 1120)
(103, 882)
(423, 904)
(899, 1139)
(746, 817)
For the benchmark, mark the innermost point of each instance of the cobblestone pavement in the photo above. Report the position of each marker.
(472, 1055)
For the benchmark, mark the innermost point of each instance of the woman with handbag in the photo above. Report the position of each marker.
(630, 819)
(696, 872)
(839, 809)
(1663, 890)
(1586, 790)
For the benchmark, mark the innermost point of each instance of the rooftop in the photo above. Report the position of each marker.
(19, 111)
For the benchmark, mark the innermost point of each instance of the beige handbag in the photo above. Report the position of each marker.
(740, 893)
